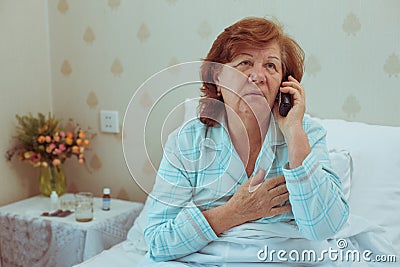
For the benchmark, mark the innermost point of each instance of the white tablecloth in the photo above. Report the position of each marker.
(28, 239)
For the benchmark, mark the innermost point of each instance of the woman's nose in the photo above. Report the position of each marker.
(257, 74)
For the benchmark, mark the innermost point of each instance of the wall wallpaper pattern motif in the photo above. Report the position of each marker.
(352, 55)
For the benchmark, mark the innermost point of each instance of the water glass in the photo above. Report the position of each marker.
(84, 206)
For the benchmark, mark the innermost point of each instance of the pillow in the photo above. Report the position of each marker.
(190, 109)
(135, 237)
(375, 183)
(342, 165)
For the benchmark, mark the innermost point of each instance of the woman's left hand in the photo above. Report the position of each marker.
(292, 125)
(294, 118)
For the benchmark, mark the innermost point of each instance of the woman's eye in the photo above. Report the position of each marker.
(270, 66)
(245, 63)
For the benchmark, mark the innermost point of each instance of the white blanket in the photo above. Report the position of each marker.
(280, 244)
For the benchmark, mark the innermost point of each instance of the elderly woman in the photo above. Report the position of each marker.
(234, 165)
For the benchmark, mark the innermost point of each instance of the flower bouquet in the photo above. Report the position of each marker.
(43, 142)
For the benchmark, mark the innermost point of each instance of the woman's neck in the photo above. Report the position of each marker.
(247, 133)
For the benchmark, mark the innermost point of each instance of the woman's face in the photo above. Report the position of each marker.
(251, 81)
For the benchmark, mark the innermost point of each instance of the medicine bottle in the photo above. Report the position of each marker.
(106, 199)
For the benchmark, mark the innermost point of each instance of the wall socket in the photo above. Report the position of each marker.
(109, 121)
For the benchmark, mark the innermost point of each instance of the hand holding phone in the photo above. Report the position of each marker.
(285, 101)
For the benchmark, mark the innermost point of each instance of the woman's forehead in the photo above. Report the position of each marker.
(269, 50)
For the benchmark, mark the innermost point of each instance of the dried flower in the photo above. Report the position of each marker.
(42, 141)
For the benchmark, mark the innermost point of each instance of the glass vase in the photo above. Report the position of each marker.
(52, 178)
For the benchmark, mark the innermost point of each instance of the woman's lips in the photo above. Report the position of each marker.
(254, 94)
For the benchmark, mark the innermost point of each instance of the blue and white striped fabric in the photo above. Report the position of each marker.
(199, 172)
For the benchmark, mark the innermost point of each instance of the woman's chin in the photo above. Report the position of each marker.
(254, 105)
(255, 100)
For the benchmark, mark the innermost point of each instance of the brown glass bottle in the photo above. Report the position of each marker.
(106, 199)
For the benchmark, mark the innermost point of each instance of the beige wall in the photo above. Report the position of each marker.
(102, 51)
(25, 85)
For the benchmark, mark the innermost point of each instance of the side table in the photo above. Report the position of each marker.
(29, 239)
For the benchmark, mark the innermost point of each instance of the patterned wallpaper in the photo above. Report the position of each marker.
(24, 84)
(102, 51)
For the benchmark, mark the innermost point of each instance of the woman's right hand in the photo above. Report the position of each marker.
(263, 200)
(253, 200)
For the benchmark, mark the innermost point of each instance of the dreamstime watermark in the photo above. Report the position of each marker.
(332, 254)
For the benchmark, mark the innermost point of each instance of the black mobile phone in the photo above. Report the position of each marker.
(285, 101)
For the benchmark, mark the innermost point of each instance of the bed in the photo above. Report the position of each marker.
(367, 157)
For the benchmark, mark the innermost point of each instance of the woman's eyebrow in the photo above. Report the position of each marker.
(274, 57)
(250, 55)
(244, 54)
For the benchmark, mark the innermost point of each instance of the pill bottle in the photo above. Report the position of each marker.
(106, 199)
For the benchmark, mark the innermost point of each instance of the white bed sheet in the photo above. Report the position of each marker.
(358, 233)
(119, 255)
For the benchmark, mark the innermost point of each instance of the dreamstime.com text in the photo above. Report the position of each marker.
(332, 254)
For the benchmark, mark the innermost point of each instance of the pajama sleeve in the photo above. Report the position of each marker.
(318, 203)
(175, 226)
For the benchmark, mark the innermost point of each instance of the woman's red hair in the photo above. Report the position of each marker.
(249, 32)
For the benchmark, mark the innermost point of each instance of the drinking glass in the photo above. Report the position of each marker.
(84, 206)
